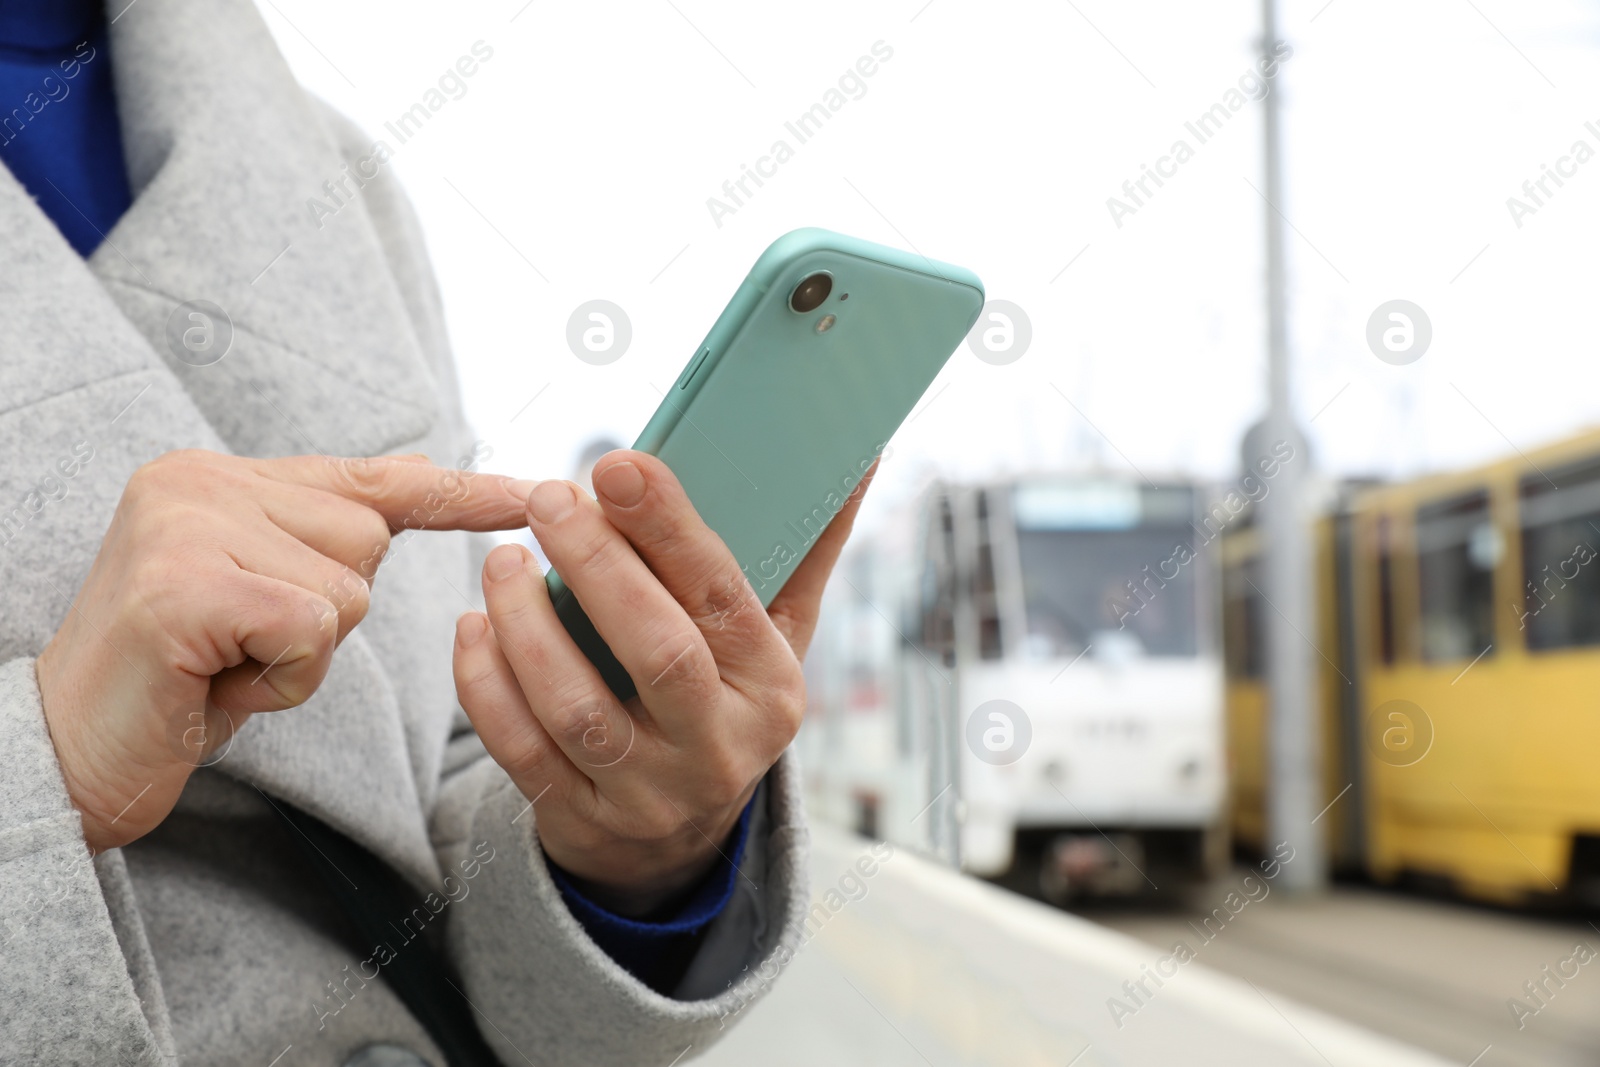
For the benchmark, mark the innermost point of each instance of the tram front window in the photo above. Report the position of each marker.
(1107, 576)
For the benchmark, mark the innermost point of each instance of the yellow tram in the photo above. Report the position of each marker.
(1458, 636)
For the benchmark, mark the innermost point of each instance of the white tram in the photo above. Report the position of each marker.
(1024, 679)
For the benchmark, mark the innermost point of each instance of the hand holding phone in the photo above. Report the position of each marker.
(792, 396)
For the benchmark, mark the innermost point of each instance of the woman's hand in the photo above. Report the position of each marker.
(220, 590)
(637, 799)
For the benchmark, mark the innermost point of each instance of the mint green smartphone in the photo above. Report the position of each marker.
(810, 369)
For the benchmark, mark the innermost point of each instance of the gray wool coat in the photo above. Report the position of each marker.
(210, 941)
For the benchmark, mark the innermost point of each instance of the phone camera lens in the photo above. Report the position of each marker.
(810, 293)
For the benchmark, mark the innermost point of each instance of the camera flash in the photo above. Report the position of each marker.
(825, 323)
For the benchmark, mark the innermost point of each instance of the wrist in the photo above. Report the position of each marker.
(645, 900)
(649, 881)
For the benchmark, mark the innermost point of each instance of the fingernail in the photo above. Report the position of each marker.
(550, 501)
(470, 628)
(503, 562)
(520, 488)
(622, 484)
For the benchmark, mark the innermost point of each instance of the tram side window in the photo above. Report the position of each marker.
(985, 597)
(1385, 590)
(938, 588)
(1457, 549)
(1559, 606)
(1242, 638)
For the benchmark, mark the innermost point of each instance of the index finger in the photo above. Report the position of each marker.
(408, 493)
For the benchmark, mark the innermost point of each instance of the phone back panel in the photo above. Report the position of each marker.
(772, 422)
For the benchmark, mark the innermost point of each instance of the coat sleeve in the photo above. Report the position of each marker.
(77, 982)
(542, 989)
(549, 991)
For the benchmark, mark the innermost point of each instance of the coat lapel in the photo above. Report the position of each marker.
(225, 150)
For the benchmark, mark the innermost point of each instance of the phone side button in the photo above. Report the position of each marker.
(689, 371)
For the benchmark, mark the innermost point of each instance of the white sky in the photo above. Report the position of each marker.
(992, 138)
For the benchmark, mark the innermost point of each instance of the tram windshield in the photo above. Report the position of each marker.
(1102, 565)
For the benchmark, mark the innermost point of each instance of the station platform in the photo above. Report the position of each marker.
(918, 965)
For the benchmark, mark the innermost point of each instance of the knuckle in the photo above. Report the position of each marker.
(159, 614)
(159, 524)
(595, 551)
(170, 468)
(679, 657)
(303, 618)
(472, 681)
(367, 480)
(365, 473)
(576, 716)
(172, 560)
(656, 528)
(518, 619)
(317, 633)
(524, 755)
(371, 529)
(184, 459)
(728, 596)
(143, 483)
(348, 593)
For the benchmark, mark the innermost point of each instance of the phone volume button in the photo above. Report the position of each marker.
(690, 371)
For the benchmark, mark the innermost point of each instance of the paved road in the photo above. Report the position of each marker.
(926, 968)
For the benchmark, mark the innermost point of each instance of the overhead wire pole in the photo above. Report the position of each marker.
(1294, 772)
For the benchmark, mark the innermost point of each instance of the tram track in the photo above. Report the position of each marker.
(1436, 974)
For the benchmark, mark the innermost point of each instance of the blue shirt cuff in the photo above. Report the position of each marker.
(658, 950)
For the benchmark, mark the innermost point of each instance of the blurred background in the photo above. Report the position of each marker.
(1194, 720)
